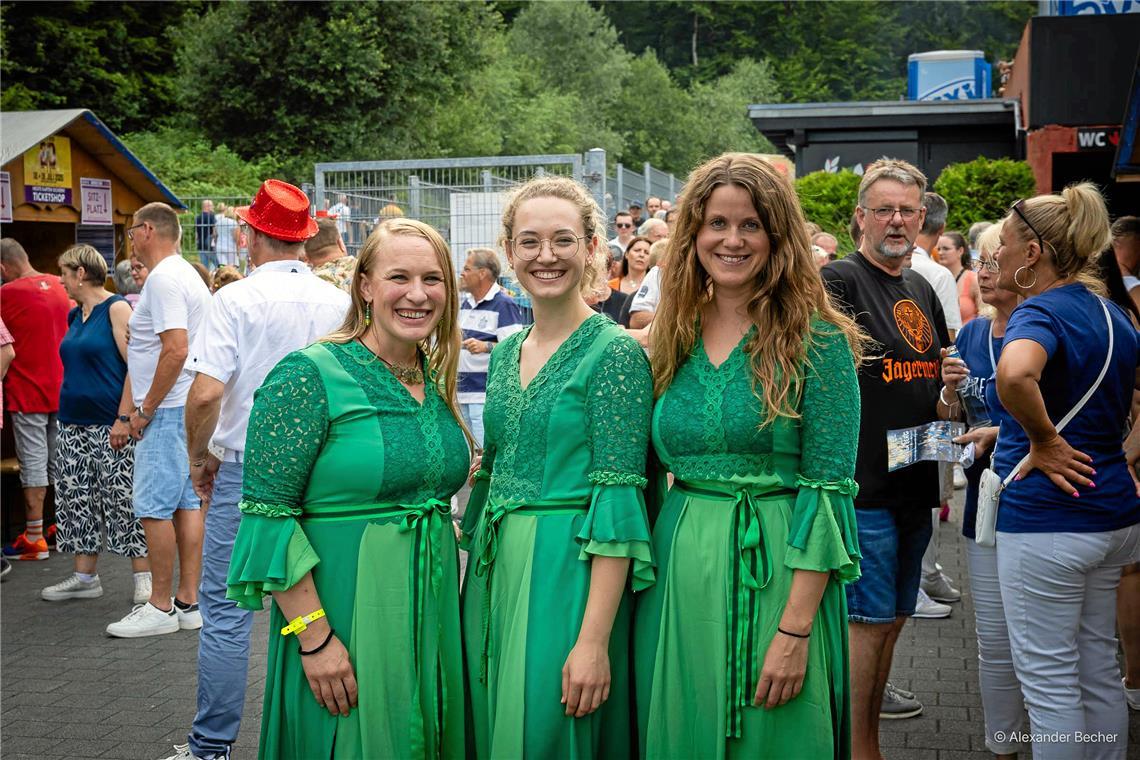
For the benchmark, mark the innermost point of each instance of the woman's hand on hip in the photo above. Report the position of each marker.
(1066, 467)
(586, 678)
(330, 675)
(782, 675)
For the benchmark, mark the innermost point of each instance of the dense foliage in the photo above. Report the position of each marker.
(201, 88)
(983, 190)
(828, 199)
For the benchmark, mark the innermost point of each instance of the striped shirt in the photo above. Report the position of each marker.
(493, 318)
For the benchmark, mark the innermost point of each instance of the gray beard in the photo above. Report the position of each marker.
(882, 250)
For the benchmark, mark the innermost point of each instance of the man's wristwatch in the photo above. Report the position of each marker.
(139, 411)
(125, 419)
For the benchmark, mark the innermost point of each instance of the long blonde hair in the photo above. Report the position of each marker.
(787, 293)
(443, 345)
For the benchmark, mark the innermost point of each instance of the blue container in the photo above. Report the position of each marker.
(948, 75)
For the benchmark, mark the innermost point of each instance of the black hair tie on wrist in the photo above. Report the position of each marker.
(781, 630)
(323, 644)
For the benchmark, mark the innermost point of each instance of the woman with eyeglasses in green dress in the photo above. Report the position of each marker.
(353, 453)
(556, 525)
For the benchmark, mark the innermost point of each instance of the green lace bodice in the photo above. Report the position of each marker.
(617, 395)
(347, 433)
(707, 423)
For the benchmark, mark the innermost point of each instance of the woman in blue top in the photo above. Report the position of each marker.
(93, 480)
(1063, 538)
(970, 381)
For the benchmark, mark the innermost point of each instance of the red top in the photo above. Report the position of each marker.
(966, 303)
(34, 310)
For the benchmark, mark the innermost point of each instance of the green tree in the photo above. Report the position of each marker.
(829, 201)
(190, 166)
(113, 58)
(983, 189)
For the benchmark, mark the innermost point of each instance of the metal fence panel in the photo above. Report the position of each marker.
(223, 205)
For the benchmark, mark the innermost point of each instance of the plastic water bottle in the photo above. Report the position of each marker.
(974, 405)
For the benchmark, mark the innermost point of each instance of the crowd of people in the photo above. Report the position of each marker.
(678, 466)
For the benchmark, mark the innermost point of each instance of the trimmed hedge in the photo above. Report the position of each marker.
(983, 190)
(829, 201)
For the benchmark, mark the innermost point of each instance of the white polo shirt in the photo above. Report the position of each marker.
(943, 283)
(173, 298)
(648, 295)
(252, 324)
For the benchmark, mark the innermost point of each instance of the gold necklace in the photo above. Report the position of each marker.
(413, 375)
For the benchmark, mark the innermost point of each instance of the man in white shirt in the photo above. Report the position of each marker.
(342, 212)
(252, 324)
(623, 223)
(163, 326)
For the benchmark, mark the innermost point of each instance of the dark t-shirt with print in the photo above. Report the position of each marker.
(900, 378)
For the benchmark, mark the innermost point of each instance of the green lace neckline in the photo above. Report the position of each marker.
(555, 361)
(356, 349)
(735, 356)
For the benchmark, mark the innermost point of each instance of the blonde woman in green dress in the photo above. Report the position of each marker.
(353, 453)
(556, 525)
(741, 645)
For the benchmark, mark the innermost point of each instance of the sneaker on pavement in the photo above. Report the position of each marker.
(142, 588)
(23, 549)
(927, 608)
(896, 705)
(189, 618)
(900, 691)
(5, 567)
(181, 752)
(1133, 697)
(940, 589)
(73, 587)
(959, 477)
(145, 620)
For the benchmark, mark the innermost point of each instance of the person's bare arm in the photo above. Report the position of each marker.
(785, 664)
(120, 313)
(640, 319)
(586, 674)
(203, 403)
(171, 358)
(7, 354)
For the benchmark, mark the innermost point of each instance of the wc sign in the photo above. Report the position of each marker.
(1098, 138)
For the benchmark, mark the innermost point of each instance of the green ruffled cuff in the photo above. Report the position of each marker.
(617, 526)
(270, 554)
(822, 535)
(268, 510)
(474, 509)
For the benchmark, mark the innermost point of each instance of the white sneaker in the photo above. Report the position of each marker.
(1133, 697)
(181, 752)
(73, 588)
(959, 477)
(940, 589)
(926, 607)
(189, 618)
(145, 620)
(142, 588)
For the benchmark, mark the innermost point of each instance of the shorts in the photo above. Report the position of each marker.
(93, 493)
(162, 469)
(35, 436)
(892, 542)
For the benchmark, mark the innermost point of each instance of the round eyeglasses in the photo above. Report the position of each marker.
(563, 246)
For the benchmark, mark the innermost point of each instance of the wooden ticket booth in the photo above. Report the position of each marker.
(65, 179)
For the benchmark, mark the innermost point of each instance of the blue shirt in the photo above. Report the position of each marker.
(492, 319)
(971, 342)
(1069, 324)
(93, 369)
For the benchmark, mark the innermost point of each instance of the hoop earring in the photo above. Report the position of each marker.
(367, 314)
(1018, 282)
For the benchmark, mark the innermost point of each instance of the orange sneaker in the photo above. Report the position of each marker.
(23, 549)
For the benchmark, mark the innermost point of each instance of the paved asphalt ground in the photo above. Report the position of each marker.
(70, 692)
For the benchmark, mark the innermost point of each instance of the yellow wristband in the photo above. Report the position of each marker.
(298, 624)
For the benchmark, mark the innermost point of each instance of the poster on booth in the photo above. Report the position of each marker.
(96, 201)
(47, 172)
(5, 197)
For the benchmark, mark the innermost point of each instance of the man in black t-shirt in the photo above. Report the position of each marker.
(899, 385)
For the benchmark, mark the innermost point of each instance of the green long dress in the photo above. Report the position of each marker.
(561, 481)
(348, 476)
(749, 505)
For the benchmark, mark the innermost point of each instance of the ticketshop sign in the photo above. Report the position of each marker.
(47, 172)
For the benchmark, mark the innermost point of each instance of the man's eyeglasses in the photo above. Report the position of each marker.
(136, 268)
(528, 247)
(131, 230)
(886, 213)
(1016, 208)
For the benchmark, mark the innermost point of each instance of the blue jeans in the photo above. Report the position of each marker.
(473, 415)
(223, 645)
(892, 542)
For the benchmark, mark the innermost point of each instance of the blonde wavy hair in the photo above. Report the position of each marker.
(1074, 225)
(443, 345)
(593, 223)
(787, 293)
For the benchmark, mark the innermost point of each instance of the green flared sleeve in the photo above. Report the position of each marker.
(822, 535)
(478, 498)
(618, 408)
(287, 428)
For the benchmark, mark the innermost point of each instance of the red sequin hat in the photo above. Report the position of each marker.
(280, 210)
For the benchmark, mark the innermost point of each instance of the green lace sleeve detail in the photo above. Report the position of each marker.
(830, 426)
(618, 408)
(287, 428)
(268, 510)
(603, 478)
